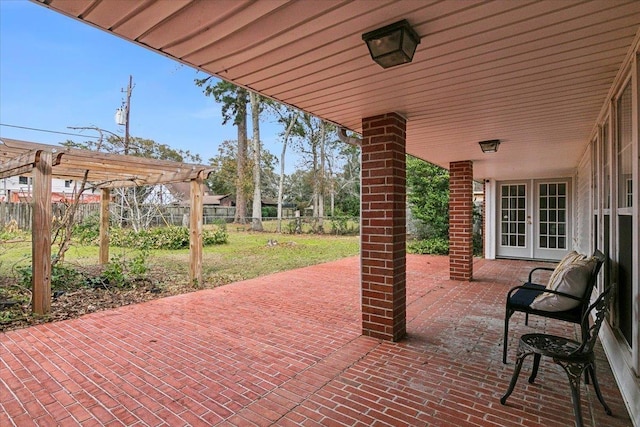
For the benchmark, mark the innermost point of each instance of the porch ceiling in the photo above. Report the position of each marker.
(534, 74)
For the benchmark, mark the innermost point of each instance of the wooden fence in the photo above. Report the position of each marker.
(21, 213)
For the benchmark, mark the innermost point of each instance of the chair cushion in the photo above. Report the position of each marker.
(570, 277)
(524, 296)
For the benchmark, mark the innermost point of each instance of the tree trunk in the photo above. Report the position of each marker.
(333, 197)
(321, 180)
(241, 123)
(281, 181)
(314, 163)
(282, 157)
(256, 212)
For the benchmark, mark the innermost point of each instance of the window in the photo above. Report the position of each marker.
(624, 184)
(625, 155)
(67, 183)
(23, 180)
(606, 185)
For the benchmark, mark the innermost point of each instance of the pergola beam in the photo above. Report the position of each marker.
(132, 179)
(105, 169)
(21, 163)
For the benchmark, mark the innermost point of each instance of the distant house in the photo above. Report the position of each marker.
(180, 192)
(270, 201)
(19, 189)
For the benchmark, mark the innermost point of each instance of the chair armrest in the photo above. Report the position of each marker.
(538, 268)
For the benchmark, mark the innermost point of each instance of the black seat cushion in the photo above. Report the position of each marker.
(524, 296)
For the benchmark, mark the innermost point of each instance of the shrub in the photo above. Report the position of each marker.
(218, 236)
(113, 274)
(344, 225)
(10, 231)
(433, 246)
(172, 237)
(138, 265)
(88, 231)
(294, 226)
(269, 211)
(478, 244)
(63, 278)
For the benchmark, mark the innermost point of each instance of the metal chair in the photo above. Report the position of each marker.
(575, 357)
(520, 298)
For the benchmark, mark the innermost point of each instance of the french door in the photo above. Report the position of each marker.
(534, 219)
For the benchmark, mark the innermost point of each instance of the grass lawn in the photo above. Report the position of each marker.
(246, 255)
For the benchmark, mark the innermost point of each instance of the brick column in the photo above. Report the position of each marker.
(461, 220)
(383, 230)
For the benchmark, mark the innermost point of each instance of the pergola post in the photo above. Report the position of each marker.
(195, 229)
(105, 198)
(461, 220)
(41, 235)
(383, 230)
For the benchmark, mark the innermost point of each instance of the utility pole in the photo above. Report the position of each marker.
(127, 109)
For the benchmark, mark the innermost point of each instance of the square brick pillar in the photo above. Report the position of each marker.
(461, 220)
(383, 227)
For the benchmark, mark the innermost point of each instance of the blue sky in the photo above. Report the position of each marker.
(56, 72)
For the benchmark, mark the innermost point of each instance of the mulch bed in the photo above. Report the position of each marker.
(15, 301)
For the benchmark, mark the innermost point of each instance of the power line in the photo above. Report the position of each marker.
(49, 131)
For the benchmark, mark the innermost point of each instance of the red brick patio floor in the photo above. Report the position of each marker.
(287, 350)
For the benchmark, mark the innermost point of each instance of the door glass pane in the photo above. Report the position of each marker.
(512, 217)
(552, 199)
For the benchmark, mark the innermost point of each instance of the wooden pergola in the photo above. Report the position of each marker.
(103, 171)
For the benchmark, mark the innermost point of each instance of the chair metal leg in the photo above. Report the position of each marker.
(591, 370)
(507, 316)
(514, 378)
(534, 371)
(585, 337)
(575, 397)
(574, 371)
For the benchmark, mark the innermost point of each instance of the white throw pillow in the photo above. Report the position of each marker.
(566, 260)
(572, 278)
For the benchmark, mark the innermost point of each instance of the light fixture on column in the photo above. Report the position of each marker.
(393, 44)
(489, 146)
